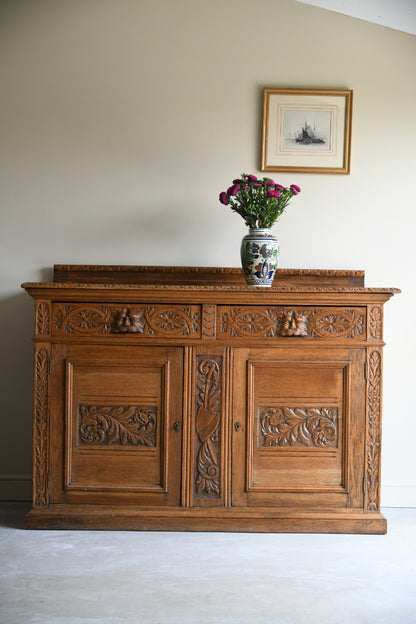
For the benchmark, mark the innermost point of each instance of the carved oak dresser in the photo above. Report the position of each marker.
(170, 398)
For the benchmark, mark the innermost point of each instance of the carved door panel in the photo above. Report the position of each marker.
(295, 427)
(116, 424)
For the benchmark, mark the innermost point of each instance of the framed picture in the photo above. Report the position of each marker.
(306, 130)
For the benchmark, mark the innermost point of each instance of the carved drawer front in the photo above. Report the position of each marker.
(284, 322)
(144, 320)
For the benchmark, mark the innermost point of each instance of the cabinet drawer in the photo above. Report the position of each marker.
(281, 321)
(144, 320)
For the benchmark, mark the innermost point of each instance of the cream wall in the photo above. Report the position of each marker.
(122, 120)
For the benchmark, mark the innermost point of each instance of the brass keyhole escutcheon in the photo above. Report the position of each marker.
(177, 426)
(237, 426)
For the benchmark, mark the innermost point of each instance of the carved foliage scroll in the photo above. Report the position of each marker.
(126, 425)
(208, 425)
(272, 322)
(298, 426)
(146, 320)
(373, 446)
(40, 457)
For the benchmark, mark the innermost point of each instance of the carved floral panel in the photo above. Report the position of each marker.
(82, 319)
(146, 320)
(298, 426)
(271, 322)
(208, 426)
(345, 323)
(126, 425)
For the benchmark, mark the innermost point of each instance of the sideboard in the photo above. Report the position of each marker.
(177, 398)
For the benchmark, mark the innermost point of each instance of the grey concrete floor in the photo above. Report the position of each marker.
(85, 577)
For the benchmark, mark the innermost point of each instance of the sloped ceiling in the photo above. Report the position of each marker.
(397, 14)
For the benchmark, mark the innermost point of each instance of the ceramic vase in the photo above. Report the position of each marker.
(259, 256)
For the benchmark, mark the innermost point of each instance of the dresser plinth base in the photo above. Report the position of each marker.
(235, 520)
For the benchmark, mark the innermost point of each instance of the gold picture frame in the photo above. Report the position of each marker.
(307, 130)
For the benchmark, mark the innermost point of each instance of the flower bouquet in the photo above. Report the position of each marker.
(260, 203)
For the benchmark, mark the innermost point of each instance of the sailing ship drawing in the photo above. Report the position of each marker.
(308, 135)
(304, 129)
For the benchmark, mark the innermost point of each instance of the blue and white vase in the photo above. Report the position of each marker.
(259, 256)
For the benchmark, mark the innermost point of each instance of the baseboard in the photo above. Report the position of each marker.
(13, 488)
(398, 496)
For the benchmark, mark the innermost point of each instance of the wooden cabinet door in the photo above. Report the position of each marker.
(299, 420)
(116, 419)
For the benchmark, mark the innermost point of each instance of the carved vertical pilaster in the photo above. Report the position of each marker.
(373, 432)
(209, 321)
(375, 323)
(42, 318)
(40, 425)
(188, 427)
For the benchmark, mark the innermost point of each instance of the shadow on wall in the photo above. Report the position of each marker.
(16, 357)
